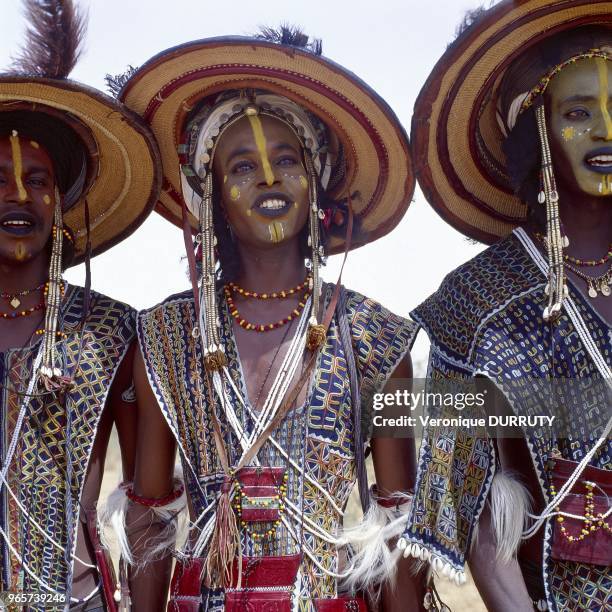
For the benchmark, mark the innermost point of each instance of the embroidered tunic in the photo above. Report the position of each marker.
(317, 437)
(486, 320)
(54, 444)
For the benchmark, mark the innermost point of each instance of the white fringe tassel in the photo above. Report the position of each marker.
(438, 565)
(173, 516)
(374, 561)
(510, 504)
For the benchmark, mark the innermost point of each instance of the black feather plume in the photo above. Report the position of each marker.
(116, 82)
(291, 36)
(473, 16)
(53, 39)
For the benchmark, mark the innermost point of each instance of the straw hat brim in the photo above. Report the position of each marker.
(456, 139)
(379, 166)
(123, 155)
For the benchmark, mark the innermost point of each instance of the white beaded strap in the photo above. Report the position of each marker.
(606, 373)
(308, 552)
(22, 410)
(41, 582)
(303, 472)
(41, 529)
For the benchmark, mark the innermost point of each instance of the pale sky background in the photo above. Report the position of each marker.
(391, 44)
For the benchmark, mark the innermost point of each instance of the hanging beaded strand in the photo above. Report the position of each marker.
(316, 331)
(555, 241)
(51, 374)
(214, 355)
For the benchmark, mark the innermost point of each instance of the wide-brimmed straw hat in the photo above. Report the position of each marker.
(121, 175)
(379, 176)
(456, 137)
(123, 170)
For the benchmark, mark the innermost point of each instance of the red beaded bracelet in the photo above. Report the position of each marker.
(154, 502)
(394, 501)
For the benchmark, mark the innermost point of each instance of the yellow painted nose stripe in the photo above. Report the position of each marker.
(260, 143)
(604, 97)
(18, 166)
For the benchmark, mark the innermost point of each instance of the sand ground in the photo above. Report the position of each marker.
(459, 599)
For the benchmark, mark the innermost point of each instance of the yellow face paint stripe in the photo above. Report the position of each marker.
(18, 165)
(277, 231)
(602, 66)
(20, 251)
(260, 143)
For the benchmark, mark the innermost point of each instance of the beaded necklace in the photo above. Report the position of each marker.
(13, 298)
(285, 293)
(582, 263)
(263, 327)
(595, 284)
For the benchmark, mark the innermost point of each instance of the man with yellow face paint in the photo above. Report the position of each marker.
(263, 375)
(531, 314)
(68, 191)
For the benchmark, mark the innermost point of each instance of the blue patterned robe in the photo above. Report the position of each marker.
(318, 435)
(38, 470)
(486, 320)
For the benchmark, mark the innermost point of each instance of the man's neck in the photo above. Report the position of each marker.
(588, 225)
(266, 270)
(16, 277)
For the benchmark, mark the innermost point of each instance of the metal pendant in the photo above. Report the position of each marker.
(605, 289)
(592, 292)
(15, 302)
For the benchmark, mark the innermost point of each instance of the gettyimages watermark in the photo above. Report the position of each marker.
(560, 408)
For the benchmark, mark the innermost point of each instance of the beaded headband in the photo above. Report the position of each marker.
(199, 186)
(201, 136)
(526, 99)
(540, 88)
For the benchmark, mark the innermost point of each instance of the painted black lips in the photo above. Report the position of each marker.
(272, 204)
(599, 160)
(18, 222)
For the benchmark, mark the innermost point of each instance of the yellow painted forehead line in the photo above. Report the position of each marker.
(18, 165)
(604, 94)
(261, 144)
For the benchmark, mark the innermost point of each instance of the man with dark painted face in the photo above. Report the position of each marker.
(263, 375)
(67, 191)
(531, 314)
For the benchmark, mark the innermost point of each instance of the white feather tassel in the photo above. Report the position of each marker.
(375, 557)
(112, 517)
(172, 516)
(510, 505)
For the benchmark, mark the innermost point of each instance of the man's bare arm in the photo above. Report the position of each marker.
(153, 478)
(395, 468)
(499, 583)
